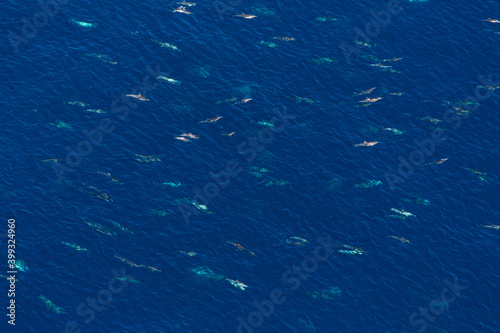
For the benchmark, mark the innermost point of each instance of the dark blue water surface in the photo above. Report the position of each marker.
(296, 179)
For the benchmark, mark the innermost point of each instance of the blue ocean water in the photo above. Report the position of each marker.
(293, 159)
